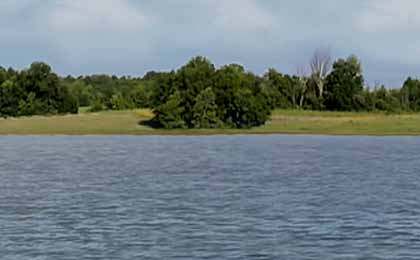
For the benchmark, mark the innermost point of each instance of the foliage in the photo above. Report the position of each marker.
(35, 91)
(83, 92)
(199, 95)
(10, 96)
(343, 83)
(202, 97)
(283, 91)
(96, 106)
(190, 81)
(240, 97)
(169, 114)
(410, 94)
(205, 110)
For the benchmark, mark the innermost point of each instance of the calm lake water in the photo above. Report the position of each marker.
(222, 197)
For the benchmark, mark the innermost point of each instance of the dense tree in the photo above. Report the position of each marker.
(190, 81)
(67, 103)
(240, 97)
(385, 100)
(201, 97)
(205, 110)
(170, 114)
(283, 91)
(82, 92)
(343, 84)
(162, 87)
(140, 95)
(410, 94)
(4, 75)
(11, 95)
(198, 95)
(111, 92)
(34, 91)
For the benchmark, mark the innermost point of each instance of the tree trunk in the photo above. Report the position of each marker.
(302, 98)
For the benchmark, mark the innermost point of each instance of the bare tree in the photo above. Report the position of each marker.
(303, 82)
(320, 67)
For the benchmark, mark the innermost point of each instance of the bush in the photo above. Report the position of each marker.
(96, 106)
(169, 114)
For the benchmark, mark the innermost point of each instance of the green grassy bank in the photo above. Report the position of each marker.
(282, 122)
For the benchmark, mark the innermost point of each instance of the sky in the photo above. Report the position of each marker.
(131, 37)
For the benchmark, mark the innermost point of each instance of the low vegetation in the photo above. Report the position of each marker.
(281, 122)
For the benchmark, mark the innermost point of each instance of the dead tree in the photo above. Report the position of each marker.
(320, 67)
(303, 82)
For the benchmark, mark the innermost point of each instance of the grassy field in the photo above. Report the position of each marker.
(282, 121)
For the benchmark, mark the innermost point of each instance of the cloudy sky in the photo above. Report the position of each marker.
(130, 37)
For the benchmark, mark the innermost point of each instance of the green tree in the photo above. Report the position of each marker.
(11, 95)
(35, 91)
(29, 106)
(40, 79)
(191, 80)
(4, 75)
(83, 92)
(96, 105)
(343, 83)
(169, 114)
(283, 90)
(205, 110)
(240, 98)
(67, 102)
(141, 95)
(410, 94)
(201, 97)
(162, 87)
(120, 102)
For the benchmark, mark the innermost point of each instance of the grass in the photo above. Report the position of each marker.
(282, 122)
(344, 123)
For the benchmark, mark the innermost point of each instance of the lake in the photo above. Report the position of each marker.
(219, 197)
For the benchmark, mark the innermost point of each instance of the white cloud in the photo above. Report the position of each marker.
(122, 36)
(85, 32)
(242, 15)
(96, 15)
(388, 15)
(387, 30)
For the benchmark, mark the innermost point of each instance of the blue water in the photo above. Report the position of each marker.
(222, 197)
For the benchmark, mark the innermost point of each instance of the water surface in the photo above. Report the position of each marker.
(221, 197)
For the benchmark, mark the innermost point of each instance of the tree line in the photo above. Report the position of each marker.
(199, 95)
(34, 91)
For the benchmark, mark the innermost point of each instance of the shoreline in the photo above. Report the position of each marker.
(283, 122)
(186, 133)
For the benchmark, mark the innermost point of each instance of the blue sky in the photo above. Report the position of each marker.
(130, 37)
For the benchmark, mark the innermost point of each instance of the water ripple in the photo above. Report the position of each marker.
(223, 197)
